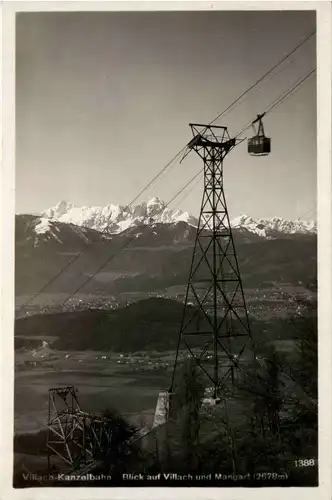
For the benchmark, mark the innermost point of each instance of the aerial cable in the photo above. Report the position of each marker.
(222, 113)
(100, 268)
(290, 91)
(237, 102)
(272, 106)
(280, 99)
(191, 189)
(196, 176)
(88, 245)
(275, 103)
(313, 210)
(265, 75)
(238, 99)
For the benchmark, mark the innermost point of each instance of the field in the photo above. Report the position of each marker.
(113, 382)
(103, 382)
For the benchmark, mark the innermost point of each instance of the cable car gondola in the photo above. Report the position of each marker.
(259, 145)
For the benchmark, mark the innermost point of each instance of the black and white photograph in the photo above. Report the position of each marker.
(166, 261)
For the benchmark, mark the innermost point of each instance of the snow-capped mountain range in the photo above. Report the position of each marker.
(116, 218)
(268, 227)
(113, 219)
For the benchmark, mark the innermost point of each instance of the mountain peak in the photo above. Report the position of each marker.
(61, 208)
(154, 206)
(242, 219)
(155, 200)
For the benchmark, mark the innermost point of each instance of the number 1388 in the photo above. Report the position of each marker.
(305, 462)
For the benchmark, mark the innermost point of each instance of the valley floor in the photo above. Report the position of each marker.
(273, 300)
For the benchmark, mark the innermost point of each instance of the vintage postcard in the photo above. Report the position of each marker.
(169, 307)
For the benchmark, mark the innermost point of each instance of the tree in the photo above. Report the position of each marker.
(260, 385)
(184, 410)
(302, 368)
(302, 374)
(287, 382)
(117, 448)
(272, 397)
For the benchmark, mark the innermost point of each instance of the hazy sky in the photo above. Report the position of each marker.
(104, 101)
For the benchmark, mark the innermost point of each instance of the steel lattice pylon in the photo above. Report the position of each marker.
(64, 428)
(77, 438)
(215, 330)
